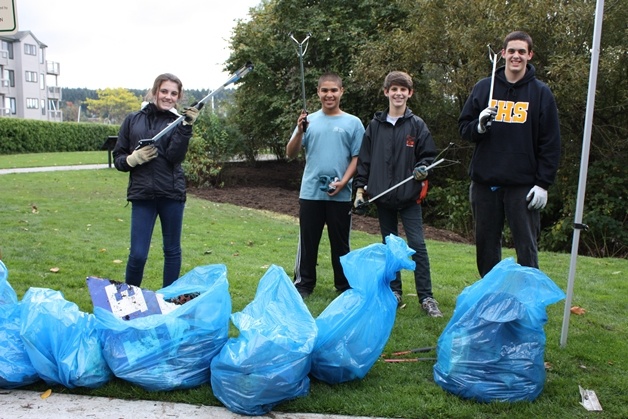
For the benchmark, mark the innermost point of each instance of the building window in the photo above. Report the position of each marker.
(8, 47)
(10, 105)
(8, 78)
(41, 56)
(42, 80)
(31, 76)
(43, 107)
(32, 103)
(30, 49)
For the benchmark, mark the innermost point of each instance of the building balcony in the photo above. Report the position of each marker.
(53, 68)
(55, 116)
(54, 92)
(4, 86)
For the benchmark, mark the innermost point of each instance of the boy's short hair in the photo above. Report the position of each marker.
(332, 77)
(399, 78)
(518, 36)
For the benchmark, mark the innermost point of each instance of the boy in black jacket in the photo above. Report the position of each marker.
(517, 150)
(397, 144)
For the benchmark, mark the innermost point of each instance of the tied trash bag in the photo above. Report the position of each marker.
(269, 361)
(493, 347)
(171, 351)
(16, 369)
(61, 341)
(354, 328)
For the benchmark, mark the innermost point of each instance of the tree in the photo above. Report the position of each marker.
(113, 105)
(443, 45)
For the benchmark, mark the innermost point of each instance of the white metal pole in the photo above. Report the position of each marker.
(584, 165)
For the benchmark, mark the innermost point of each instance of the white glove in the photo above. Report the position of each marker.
(486, 116)
(141, 156)
(537, 198)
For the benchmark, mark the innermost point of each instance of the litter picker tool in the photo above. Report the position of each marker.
(494, 57)
(246, 69)
(408, 179)
(301, 52)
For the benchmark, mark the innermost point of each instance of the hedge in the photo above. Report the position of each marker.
(19, 136)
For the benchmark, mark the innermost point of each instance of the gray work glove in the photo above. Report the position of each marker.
(537, 198)
(141, 156)
(419, 172)
(190, 113)
(359, 202)
(486, 116)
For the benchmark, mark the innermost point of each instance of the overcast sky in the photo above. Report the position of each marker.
(127, 43)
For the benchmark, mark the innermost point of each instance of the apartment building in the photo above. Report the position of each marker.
(28, 82)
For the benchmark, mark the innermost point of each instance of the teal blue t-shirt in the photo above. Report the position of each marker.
(330, 142)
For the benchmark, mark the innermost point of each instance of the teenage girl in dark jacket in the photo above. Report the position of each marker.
(156, 180)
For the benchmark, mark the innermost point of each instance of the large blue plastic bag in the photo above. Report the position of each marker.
(269, 361)
(354, 328)
(61, 341)
(493, 347)
(16, 369)
(174, 350)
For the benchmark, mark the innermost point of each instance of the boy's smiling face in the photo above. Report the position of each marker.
(330, 93)
(398, 95)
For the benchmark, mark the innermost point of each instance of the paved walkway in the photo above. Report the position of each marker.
(53, 168)
(29, 405)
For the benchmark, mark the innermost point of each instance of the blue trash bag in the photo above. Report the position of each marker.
(269, 361)
(171, 351)
(493, 347)
(16, 369)
(354, 329)
(61, 341)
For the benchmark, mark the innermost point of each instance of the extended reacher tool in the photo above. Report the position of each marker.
(301, 53)
(246, 69)
(408, 179)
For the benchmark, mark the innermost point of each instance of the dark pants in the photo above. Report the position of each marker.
(313, 215)
(143, 216)
(490, 209)
(412, 219)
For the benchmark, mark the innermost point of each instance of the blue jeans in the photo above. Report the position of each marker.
(490, 209)
(412, 219)
(143, 216)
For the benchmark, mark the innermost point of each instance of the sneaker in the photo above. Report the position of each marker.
(398, 297)
(430, 306)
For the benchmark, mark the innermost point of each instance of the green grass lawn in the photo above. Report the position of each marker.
(78, 222)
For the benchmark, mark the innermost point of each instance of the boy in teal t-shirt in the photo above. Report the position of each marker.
(331, 141)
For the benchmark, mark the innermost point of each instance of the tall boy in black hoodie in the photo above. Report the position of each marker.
(516, 156)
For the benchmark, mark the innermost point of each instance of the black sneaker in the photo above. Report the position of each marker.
(399, 299)
(304, 293)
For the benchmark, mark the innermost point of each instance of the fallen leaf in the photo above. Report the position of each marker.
(547, 365)
(103, 250)
(54, 270)
(577, 310)
(46, 394)
(117, 261)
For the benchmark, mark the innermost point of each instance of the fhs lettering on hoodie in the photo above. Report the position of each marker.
(522, 146)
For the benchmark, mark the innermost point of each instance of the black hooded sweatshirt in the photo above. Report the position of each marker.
(162, 177)
(388, 156)
(522, 145)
